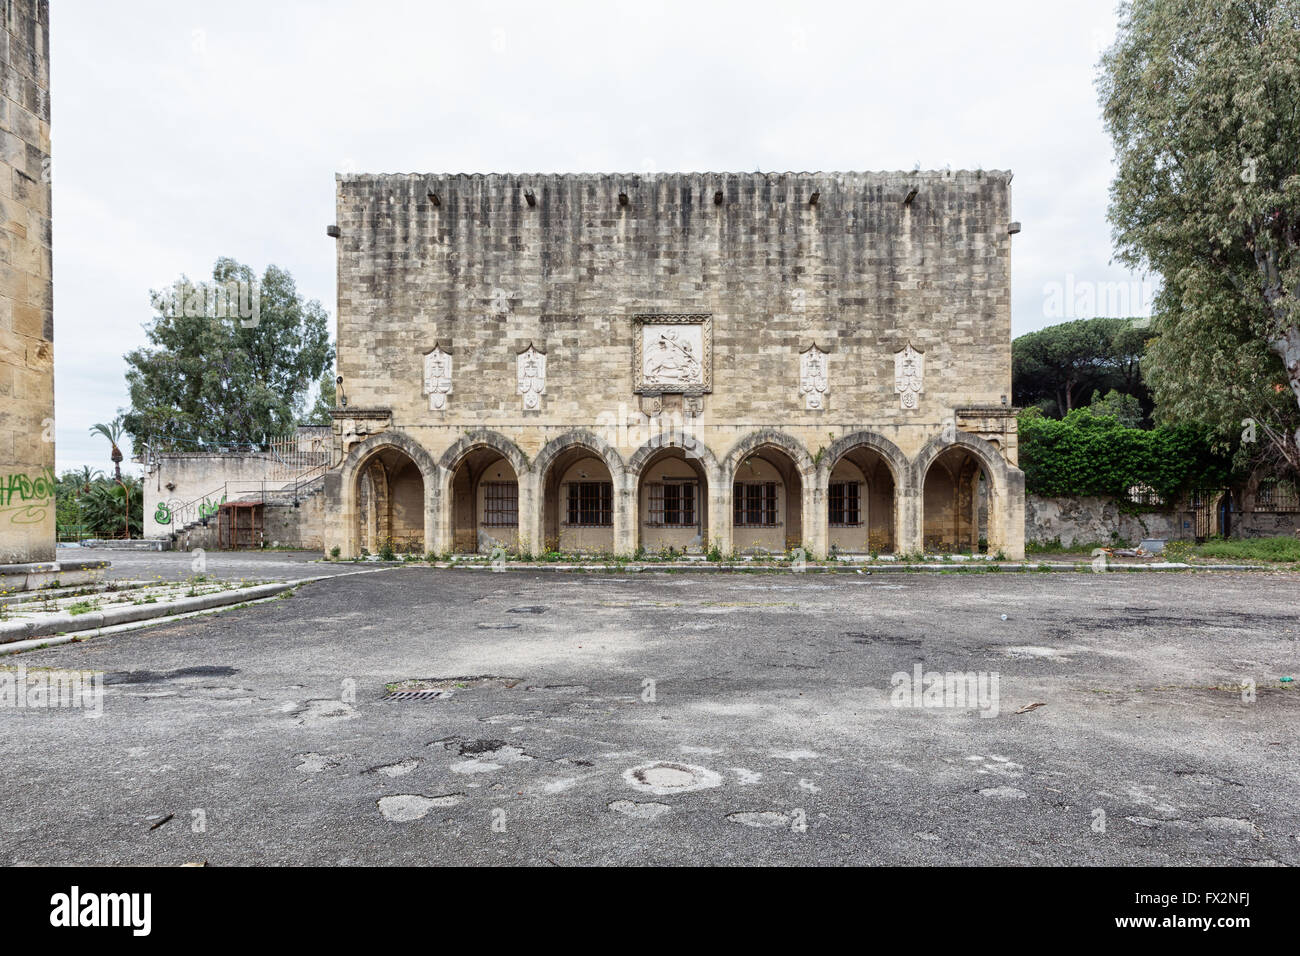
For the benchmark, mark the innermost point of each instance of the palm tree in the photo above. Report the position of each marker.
(112, 431)
(86, 477)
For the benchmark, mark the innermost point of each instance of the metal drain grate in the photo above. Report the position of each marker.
(414, 695)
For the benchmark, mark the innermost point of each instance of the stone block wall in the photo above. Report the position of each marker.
(859, 266)
(27, 512)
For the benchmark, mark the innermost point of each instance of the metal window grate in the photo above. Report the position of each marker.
(672, 504)
(1279, 497)
(591, 504)
(845, 504)
(755, 504)
(500, 504)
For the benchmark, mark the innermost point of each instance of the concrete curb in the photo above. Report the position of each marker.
(1026, 567)
(94, 620)
(18, 647)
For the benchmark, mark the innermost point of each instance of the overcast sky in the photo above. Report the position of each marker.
(183, 131)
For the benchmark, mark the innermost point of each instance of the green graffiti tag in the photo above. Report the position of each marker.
(210, 508)
(27, 497)
(162, 514)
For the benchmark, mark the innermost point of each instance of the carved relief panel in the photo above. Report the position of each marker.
(437, 378)
(672, 354)
(909, 377)
(814, 383)
(531, 377)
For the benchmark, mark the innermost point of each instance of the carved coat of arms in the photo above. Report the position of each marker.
(909, 376)
(437, 378)
(531, 377)
(814, 383)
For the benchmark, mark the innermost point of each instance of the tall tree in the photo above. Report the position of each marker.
(1202, 101)
(230, 361)
(1063, 366)
(113, 432)
(326, 399)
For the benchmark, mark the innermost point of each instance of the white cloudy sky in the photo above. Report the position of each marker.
(186, 130)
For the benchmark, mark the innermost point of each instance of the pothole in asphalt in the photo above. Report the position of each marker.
(767, 819)
(481, 756)
(408, 807)
(318, 713)
(1004, 793)
(399, 769)
(664, 777)
(528, 609)
(315, 763)
(155, 677)
(640, 811)
(494, 626)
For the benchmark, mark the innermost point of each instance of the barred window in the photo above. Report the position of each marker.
(1141, 494)
(672, 504)
(845, 504)
(591, 504)
(1279, 496)
(500, 504)
(754, 504)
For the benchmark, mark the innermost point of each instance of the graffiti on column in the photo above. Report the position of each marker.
(26, 498)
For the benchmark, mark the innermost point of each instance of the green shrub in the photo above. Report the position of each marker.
(1088, 454)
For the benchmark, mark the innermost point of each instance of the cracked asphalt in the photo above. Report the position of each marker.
(673, 718)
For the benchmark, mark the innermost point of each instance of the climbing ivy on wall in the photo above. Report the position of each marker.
(1089, 454)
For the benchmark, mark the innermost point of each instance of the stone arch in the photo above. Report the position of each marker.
(484, 439)
(463, 511)
(891, 453)
(1006, 488)
(987, 453)
(690, 444)
(653, 472)
(581, 437)
(883, 502)
(358, 458)
(546, 490)
(796, 490)
(777, 439)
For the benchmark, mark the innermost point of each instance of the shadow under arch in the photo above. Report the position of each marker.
(861, 478)
(770, 507)
(773, 438)
(590, 511)
(673, 483)
(485, 491)
(967, 498)
(394, 446)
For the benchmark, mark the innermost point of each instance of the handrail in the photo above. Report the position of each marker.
(180, 516)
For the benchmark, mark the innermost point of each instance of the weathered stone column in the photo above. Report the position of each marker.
(816, 532)
(719, 511)
(626, 517)
(1012, 509)
(908, 523)
(530, 513)
(27, 499)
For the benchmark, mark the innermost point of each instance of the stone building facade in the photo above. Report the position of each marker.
(608, 363)
(27, 506)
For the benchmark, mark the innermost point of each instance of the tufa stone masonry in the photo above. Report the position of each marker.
(607, 363)
(27, 506)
